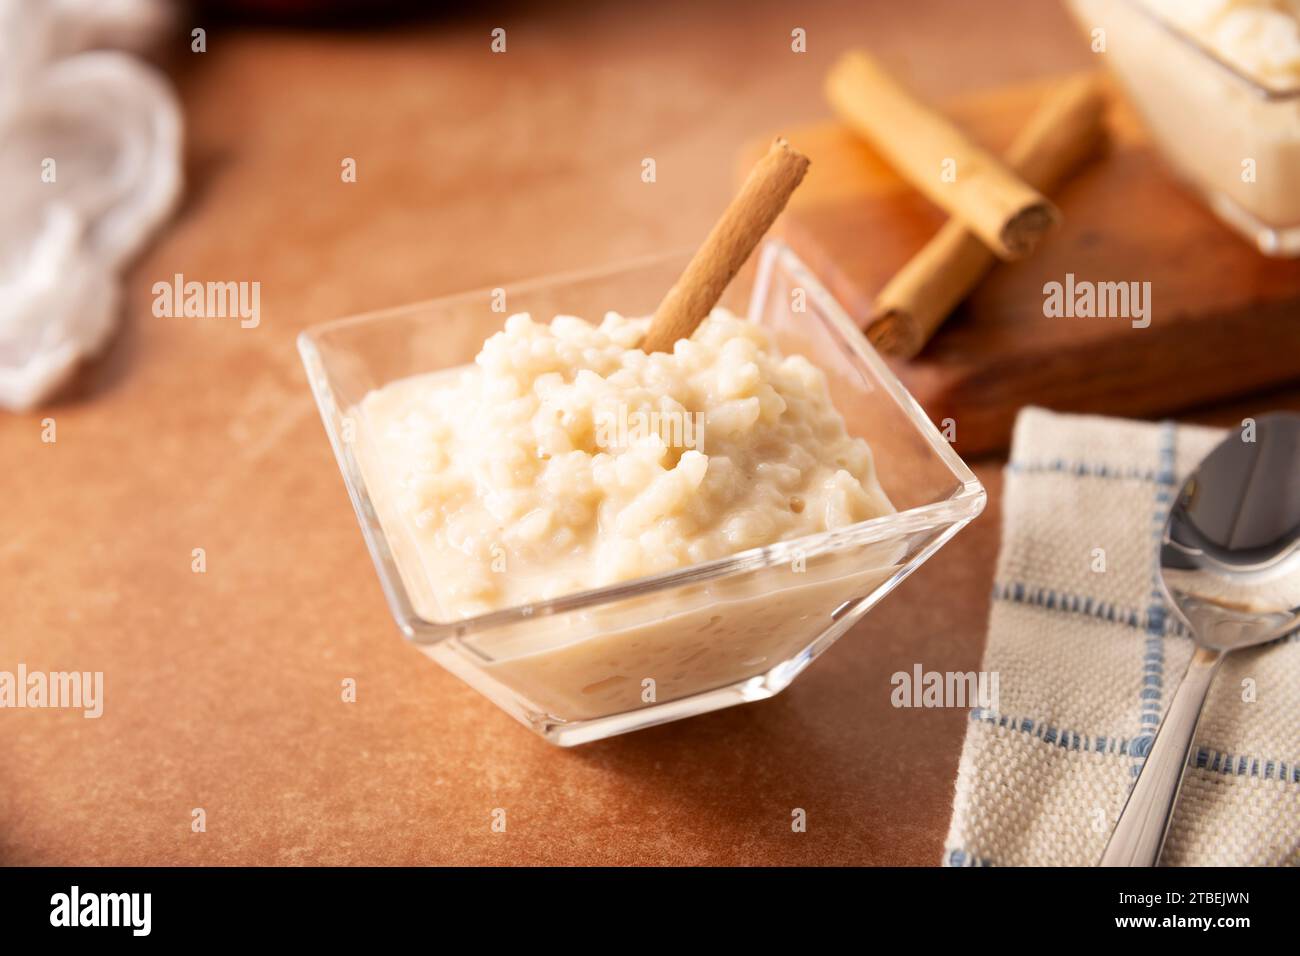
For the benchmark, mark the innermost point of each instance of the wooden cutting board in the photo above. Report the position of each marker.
(1225, 320)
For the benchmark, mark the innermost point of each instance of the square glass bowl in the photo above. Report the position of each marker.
(1235, 140)
(609, 660)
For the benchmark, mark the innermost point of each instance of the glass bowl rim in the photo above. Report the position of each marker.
(1178, 33)
(961, 506)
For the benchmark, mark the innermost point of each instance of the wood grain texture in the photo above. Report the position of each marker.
(1225, 321)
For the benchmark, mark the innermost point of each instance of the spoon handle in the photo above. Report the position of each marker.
(1144, 821)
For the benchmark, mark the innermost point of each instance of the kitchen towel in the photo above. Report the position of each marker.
(90, 159)
(1088, 655)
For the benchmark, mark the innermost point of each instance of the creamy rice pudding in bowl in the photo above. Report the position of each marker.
(1217, 84)
(600, 539)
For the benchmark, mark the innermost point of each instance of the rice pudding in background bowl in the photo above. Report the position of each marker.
(599, 539)
(1217, 84)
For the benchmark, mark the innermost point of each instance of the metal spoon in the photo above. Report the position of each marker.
(1227, 564)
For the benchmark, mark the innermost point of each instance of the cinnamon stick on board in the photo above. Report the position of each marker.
(1064, 132)
(937, 158)
(760, 200)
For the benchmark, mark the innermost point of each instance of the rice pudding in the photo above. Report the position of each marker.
(566, 458)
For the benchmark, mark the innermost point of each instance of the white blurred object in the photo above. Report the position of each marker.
(132, 25)
(112, 128)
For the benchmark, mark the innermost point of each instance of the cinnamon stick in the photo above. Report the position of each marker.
(1064, 132)
(938, 159)
(760, 200)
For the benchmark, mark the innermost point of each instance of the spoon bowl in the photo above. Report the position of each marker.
(1229, 559)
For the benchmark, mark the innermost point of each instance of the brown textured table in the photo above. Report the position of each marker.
(223, 688)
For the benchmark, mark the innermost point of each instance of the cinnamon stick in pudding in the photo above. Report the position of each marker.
(938, 159)
(760, 200)
(1062, 134)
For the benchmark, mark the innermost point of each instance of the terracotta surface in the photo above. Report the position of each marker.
(223, 688)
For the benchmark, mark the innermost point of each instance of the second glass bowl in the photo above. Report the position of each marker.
(1233, 138)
